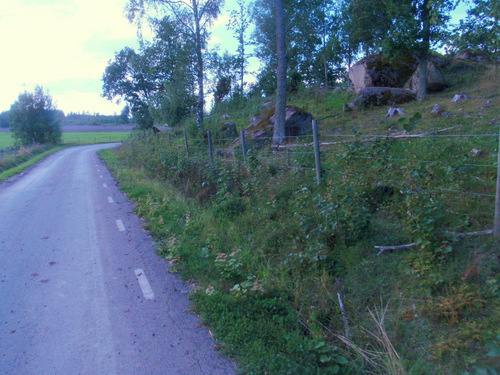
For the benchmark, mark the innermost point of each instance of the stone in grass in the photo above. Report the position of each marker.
(459, 97)
(392, 112)
(438, 111)
(379, 96)
(476, 152)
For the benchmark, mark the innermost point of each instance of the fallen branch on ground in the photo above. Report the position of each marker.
(460, 235)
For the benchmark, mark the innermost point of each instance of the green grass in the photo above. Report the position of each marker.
(6, 140)
(11, 165)
(94, 137)
(31, 160)
(268, 250)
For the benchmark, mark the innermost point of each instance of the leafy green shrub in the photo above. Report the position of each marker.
(253, 328)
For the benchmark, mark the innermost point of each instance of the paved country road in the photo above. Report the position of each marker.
(81, 288)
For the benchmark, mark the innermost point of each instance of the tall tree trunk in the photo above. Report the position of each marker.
(325, 67)
(424, 51)
(422, 77)
(200, 104)
(242, 61)
(280, 114)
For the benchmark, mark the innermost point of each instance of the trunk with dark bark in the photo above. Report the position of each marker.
(279, 124)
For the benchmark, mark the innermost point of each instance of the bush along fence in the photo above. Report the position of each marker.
(8, 152)
(443, 179)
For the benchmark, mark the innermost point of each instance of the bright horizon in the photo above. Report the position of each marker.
(65, 46)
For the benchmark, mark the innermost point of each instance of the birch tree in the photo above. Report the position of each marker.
(279, 123)
(239, 24)
(196, 16)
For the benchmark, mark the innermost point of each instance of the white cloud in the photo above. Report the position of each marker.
(48, 42)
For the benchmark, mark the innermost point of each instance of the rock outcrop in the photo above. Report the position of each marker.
(435, 80)
(375, 71)
(377, 96)
(471, 55)
(260, 132)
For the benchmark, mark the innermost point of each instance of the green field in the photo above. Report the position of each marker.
(6, 139)
(94, 137)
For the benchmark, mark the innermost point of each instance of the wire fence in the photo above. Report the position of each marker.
(8, 152)
(471, 158)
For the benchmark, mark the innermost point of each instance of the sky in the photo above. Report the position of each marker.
(65, 46)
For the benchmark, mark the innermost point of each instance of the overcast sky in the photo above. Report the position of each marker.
(64, 46)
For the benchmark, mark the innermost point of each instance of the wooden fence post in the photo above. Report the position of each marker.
(496, 227)
(210, 148)
(317, 155)
(186, 142)
(243, 146)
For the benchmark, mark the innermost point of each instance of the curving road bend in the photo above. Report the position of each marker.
(82, 290)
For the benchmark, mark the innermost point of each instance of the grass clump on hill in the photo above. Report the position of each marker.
(270, 252)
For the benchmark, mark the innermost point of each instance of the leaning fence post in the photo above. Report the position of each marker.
(243, 146)
(317, 155)
(169, 139)
(496, 227)
(344, 317)
(186, 142)
(210, 148)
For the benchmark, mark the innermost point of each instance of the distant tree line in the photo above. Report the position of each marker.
(83, 118)
(166, 80)
(95, 118)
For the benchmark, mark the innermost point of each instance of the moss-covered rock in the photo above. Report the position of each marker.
(377, 71)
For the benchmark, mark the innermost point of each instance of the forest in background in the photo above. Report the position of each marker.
(174, 78)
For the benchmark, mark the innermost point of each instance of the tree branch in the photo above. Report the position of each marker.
(460, 235)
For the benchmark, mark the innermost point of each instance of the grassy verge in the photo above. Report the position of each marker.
(270, 252)
(13, 166)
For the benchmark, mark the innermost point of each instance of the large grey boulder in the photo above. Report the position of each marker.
(379, 96)
(471, 55)
(375, 71)
(228, 130)
(260, 132)
(435, 79)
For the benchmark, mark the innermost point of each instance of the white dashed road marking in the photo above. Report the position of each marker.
(105, 185)
(144, 284)
(120, 225)
(110, 199)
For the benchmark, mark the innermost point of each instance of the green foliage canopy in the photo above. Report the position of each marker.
(158, 81)
(480, 31)
(128, 77)
(195, 16)
(33, 118)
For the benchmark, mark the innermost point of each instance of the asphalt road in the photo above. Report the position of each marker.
(82, 290)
